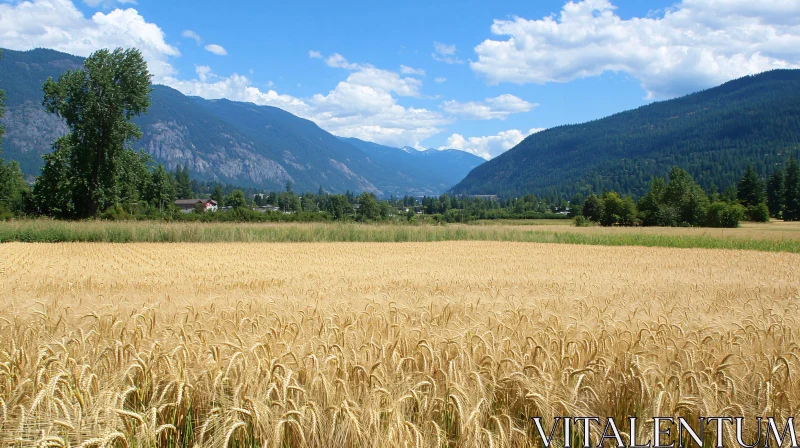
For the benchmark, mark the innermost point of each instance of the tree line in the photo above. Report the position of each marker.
(682, 202)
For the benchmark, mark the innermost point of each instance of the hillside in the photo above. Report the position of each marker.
(713, 134)
(232, 142)
(451, 164)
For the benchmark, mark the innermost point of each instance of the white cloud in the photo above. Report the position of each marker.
(217, 49)
(338, 61)
(490, 146)
(694, 45)
(189, 34)
(499, 107)
(59, 25)
(406, 70)
(445, 53)
(314, 54)
(107, 3)
(202, 72)
(440, 80)
(362, 106)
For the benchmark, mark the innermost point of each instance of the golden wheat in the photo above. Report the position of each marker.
(370, 344)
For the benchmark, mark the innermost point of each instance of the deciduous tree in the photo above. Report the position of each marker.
(98, 104)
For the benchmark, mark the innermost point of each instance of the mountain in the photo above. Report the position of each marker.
(714, 134)
(451, 164)
(233, 142)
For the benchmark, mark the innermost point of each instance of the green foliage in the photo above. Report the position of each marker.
(161, 189)
(236, 200)
(594, 208)
(775, 193)
(183, 183)
(713, 135)
(757, 213)
(750, 190)
(339, 207)
(791, 192)
(581, 221)
(651, 204)
(98, 104)
(724, 214)
(368, 208)
(218, 196)
(14, 192)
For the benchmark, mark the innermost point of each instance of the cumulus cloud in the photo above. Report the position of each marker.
(216, 49)
(445, 53)
(364, 105)
(499, 107)
(694, 45)
(490, 146)
(189, 34)
(59, 25)
(406, 70)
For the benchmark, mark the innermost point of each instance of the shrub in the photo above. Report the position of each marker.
(758, 213)
(581, 221)
(723, 214)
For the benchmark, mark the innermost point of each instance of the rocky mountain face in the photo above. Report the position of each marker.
(232, 142)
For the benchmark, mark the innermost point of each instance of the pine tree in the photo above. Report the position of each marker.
(775, 191)
(750, 190)
(791, 195)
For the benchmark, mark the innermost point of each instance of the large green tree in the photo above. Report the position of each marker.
(368, 208)
(98, 104)
(775, 189)
(791, 192)
(750, 190)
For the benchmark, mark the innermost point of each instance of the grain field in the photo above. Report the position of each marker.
(383, 344)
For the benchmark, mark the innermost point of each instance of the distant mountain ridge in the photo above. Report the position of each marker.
(714, 134)
(451, 164)
(233, 142)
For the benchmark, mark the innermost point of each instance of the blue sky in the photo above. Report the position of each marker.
(473, 75)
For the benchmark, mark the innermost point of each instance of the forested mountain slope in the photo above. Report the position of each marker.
(713, 134)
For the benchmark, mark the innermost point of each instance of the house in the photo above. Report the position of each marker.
(188, 205)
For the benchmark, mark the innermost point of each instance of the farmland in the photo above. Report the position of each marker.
(776, 236)
(383, 344)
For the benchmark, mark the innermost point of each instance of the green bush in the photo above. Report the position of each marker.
(758, 213)
(723, 214)
(581, 221)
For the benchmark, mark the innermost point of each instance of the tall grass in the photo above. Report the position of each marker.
(47, 231)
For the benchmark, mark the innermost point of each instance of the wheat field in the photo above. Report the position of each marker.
(382, 344)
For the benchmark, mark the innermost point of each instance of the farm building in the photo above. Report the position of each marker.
(187, 205)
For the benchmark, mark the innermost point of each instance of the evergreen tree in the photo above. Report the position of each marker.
(775, 191)
(791, 195)
(161, 190)
(750, 190)
(218, 196)
(98, 104)
(183, 183)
